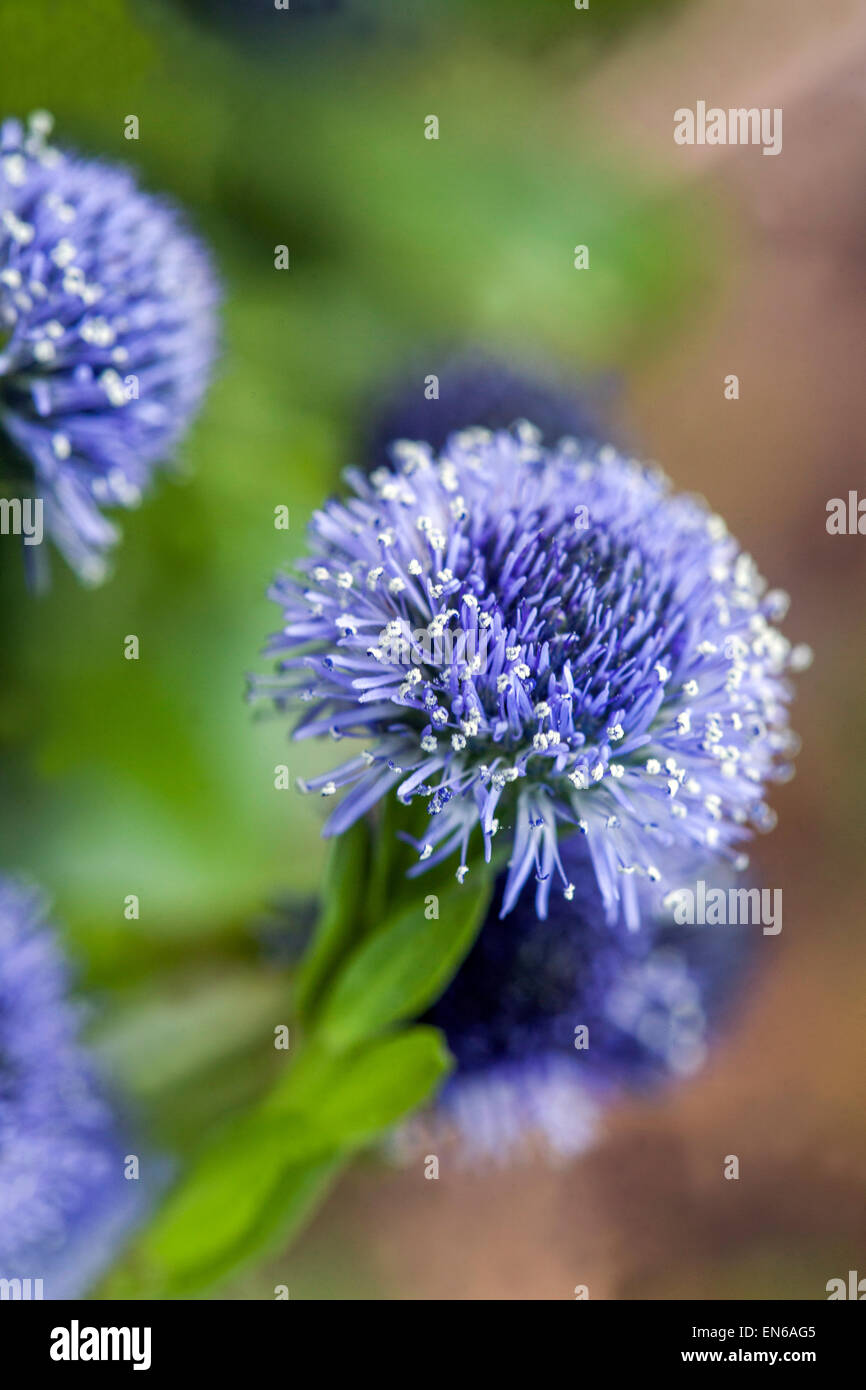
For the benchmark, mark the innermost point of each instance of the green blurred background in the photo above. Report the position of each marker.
(153, 777)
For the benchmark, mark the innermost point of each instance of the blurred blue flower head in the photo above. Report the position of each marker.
(548, 1020)
(65, 1205)
(107, 336)
(471, 389)
(534, 640)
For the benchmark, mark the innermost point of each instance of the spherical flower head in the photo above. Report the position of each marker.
(107, 336)
(550, 1020)
(64, 1203)
(471, 390)
(533, 639)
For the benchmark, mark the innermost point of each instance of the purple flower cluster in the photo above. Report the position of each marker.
(107, 335)
(476, 390)
(596, 653)
(65, 1205)
(550, 1019)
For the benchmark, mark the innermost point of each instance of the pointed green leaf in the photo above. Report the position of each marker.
(406, 964)
(340, 917)
(250, 1188)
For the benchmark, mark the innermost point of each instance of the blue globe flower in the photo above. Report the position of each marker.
(533, 640)
(107, 336)
(549, 1020)
(476, 390)
(65, 1205)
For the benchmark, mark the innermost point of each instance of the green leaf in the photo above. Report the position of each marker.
(170, 1268)
(348, 1099)
(406, 964)
(209, 1218)
(253, 1186)
(345, 877)
(389, 888)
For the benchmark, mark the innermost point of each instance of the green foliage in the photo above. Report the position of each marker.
(404, 965)
(353, 1078)
(339, 920)
(255, 1184)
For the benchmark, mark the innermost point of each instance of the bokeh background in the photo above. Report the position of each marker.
(306, 128)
